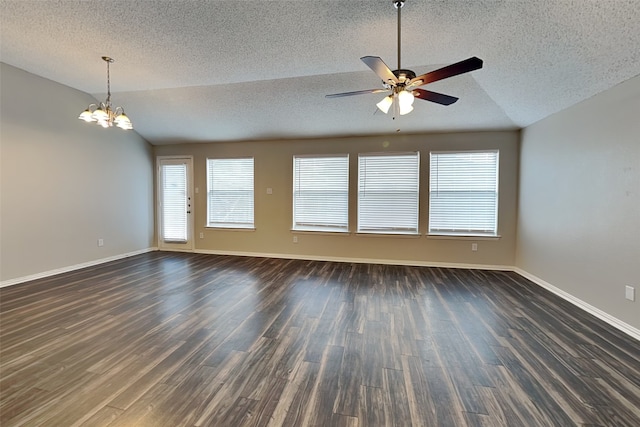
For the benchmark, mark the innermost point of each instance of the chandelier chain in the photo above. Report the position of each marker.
(108, 83)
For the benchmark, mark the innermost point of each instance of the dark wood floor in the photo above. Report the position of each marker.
(166, 339)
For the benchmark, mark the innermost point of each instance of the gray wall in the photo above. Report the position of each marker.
(579, 209)
(65, 183)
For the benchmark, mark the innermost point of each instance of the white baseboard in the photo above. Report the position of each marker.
(44, 274)
(412, 263)
(616, 323)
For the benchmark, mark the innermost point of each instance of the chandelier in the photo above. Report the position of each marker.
(103, 114)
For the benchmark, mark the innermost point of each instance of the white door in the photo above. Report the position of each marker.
(175, 203)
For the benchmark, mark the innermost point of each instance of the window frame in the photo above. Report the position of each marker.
(465, 231)
(320, 226)
(229, 225)
(388, 230)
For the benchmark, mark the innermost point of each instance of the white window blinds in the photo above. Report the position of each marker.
(174, 203)
(321, 193)
(463, 193)
(388, 189)
(230, 200)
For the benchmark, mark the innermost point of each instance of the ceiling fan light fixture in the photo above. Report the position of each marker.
(103, 114)
(403, 83)
(405, 102)
(385, 104)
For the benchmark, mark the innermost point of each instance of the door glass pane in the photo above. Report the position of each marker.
(174, 203)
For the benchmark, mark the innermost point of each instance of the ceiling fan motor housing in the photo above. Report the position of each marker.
(404, 75)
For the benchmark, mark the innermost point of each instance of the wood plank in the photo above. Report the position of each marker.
(350, 377)
(324, 396)
(395, 398)
(298, 399)
(421, 407)
(372, 410)
(103, 417)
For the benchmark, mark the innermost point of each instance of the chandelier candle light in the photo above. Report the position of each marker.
(104, 114)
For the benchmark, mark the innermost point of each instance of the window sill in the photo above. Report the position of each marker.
(209, 227)
(463, 237)
(321, 232)
(389, 234)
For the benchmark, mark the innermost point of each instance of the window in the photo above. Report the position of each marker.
(321, 193)
(230, 193)
(388, 189)
(463, 193)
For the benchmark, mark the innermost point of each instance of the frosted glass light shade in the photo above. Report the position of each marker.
(100, 115)
(405, 110)
(405, 102)
(86, 116)
(385, 104)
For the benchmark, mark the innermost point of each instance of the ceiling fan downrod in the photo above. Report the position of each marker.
(398, 5)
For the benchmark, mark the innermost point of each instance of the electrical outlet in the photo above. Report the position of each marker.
(269, 190)
(201, 235)
(474, 247)
(295, 239)
(100, 242)
(630, 293)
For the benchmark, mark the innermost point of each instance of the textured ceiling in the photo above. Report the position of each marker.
(221, 70)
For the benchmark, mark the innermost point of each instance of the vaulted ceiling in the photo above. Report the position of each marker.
(195, 70)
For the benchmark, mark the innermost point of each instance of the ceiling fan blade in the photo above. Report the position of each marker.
(438, 98)
(461, 67)
(380, 68)
(357, 92)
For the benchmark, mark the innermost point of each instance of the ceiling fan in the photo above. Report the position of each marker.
(404, 84)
